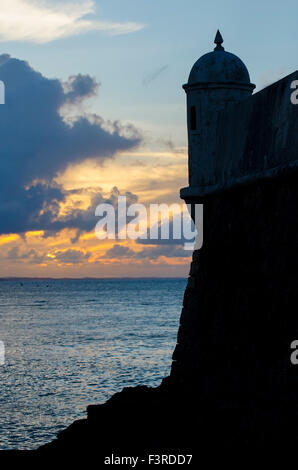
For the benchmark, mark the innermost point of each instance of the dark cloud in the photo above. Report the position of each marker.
(168, 251)
(151, 253)
(36, 143)
(119, 251)
(31, 256)
(79, 87)
(31, 208)
(43, 212)
(71, 256)
(85, 220)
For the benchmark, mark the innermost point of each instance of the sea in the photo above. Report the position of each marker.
(72, 343)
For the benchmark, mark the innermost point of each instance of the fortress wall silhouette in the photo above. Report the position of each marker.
(240, 307)
(232, 384)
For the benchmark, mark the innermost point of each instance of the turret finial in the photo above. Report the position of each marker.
(218, 41)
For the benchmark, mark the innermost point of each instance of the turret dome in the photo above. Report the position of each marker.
(219, 66)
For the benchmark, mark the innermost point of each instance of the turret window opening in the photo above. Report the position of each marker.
(193, 118)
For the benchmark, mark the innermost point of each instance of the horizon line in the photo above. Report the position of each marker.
(18, 278)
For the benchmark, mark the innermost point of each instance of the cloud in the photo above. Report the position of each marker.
(168, 251)
(83, 220)
(41, 22)
(119, 251)
(79, 87)
(36, 143)
(152, 253)
(31, 256)
(152, 76)
(71, 256)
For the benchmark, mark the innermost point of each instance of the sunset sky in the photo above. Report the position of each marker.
(94, 108)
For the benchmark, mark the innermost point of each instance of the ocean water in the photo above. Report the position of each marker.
(71, 343)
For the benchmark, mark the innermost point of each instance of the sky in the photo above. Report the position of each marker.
(95, 109)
